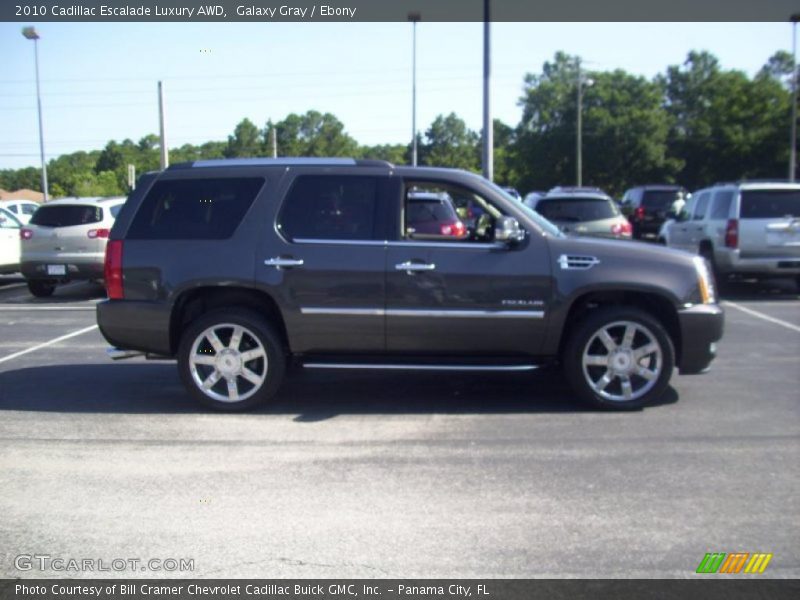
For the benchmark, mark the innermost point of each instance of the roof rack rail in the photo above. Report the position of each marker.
(300, 161)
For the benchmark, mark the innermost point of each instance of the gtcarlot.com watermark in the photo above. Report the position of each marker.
(46, 562)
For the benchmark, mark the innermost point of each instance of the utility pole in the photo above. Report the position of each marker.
(579, 135)
(30, 33)
(488, 129)
(414, 17)
(274, 135)
(162, 128)
(793, 143)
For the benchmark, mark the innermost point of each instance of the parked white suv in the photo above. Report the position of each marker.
(66, 240)
(21, 209)
(747, 228)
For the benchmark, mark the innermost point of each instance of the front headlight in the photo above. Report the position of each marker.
(705, 281)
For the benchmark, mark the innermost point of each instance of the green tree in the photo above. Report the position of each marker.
(313, 134)
(245, 141)
(449, 143)
(394, 153)
(625, 129)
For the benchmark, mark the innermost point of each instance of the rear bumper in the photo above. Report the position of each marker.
(730, 262)
(133, 325)
(73, 270)
(701, 328)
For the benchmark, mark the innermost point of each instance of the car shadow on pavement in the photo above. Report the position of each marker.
(752, 290)
(142, 388)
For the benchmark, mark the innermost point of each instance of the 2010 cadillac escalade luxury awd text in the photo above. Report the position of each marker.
(235, 267)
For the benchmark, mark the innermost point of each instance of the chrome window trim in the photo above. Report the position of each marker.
(398, 244)
(318, 242)
(402, 312)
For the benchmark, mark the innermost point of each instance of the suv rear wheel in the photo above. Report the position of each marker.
(231, 359)
(41, 288)
(619, 358)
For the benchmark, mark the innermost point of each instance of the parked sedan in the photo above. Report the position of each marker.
(584, 213)
(9, 242)
(21, 209)
(432, 215)
(65, 240)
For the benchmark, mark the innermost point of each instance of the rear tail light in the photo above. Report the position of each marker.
(25, 234)
(621, 228)
(732, 234)
(639, 213)
(113, 270)
(98, 233)
(457, 229)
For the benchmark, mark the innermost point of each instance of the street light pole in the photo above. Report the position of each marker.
(582, 81)
(579, 136)
(488, 128)
(793, 144)
(414, 17)
(31, 34)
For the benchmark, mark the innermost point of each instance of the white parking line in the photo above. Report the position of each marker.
(760, 315)
(23, 307)
(46, 344)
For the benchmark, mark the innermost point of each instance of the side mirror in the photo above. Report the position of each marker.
(507, 230)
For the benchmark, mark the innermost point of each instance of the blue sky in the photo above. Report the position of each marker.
(99, 80)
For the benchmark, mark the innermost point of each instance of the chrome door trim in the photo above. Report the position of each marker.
(418, 367)
(401, 312)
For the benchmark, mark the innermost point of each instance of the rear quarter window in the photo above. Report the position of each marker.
(67, 215)
(191, 209)
(770, 204)
(721, 207)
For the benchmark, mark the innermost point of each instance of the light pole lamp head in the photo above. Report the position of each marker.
(30, 33)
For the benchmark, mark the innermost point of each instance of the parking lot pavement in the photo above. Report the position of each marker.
(396, 475)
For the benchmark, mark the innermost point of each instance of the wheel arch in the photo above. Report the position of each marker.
(196, 302)
(657, 305)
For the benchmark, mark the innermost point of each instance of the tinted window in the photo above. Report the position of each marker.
(114, 210)
(12, 208)
(424, 211)
(577, 209)
(721, 207)
(659, 199)
(770, 204)
(331, 207)
(700, 207)
(67, 215)
(190, 209)
(29, 209)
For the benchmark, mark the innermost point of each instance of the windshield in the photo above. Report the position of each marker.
(577, 210)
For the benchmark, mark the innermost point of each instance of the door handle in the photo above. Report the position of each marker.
(284, 263)
(411, 267)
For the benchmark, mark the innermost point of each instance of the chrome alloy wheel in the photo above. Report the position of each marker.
(228, 363)
(622, 361)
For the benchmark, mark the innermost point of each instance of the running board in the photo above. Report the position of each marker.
(412, 367)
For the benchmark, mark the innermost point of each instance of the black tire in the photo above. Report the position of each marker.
(231, 363)
(41, 288)
(655, 367)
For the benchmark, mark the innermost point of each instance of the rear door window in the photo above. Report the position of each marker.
(192, 209)
(721, 207)
(700, 207)
(67, 215)
(770, 204)
(331, 207)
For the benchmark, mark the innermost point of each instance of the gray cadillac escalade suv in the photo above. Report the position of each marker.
(235, 267)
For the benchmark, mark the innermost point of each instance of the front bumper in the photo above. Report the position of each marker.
(701, 328)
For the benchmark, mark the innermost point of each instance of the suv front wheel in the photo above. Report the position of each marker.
(619, 358)
(231, 359)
